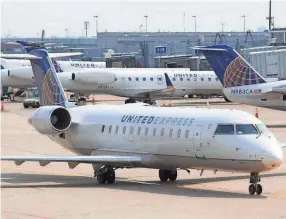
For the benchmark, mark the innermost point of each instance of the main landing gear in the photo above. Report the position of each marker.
(254, 186)
(165, 175)
(105, 174)
(130, 100)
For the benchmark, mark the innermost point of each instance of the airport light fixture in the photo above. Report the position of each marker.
(222, 27)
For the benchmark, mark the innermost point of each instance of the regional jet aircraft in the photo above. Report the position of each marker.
(141, 135)
(241, 82)
(136, 84)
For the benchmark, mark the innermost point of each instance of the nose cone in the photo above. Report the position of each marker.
(273, 158)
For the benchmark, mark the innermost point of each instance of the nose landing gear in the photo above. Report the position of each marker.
(254, 187)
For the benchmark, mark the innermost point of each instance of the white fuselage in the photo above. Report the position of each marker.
(136, 83)
(171, 138)
(258, 95)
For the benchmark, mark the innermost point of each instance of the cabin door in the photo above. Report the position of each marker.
(198, 141)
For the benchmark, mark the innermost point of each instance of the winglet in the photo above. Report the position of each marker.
(169, 84)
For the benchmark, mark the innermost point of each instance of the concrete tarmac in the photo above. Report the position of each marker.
(55, 191)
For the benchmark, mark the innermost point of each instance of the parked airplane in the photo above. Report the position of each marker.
(136, 84)
(140, 135)
(241, 82)
(63, 65)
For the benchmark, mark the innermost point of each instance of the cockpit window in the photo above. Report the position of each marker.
(263, 129)
(246, 129)
(224, 130)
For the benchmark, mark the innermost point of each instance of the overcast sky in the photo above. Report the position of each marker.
(28, 18)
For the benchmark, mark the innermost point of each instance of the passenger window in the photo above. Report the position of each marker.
(216, 79)
(179, 133)
(224, 130)
(154, 131)
(181, 79)
(170, 133)
(110, 129)
(210, 79)
(188, 79)
(246, 130)
(162, 131)
(131, 130)
(116, 129)
(144, 79)
(115, 79)
(124, 130)
(174, 79)
(202, 79)
(137, 79)
(195, 79)
(151, 79)
(146, 131)
(129, 79)
(138, 130)
(102, 128)
(187, 134)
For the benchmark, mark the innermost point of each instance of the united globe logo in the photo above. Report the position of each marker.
(239, 73)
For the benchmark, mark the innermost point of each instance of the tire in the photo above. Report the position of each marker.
(26, 106)
(190, 96)
(258, 189)
(101, 178)
(110, 176)
(173, 175)
(252, 189)
(163, 175)
(127, 101)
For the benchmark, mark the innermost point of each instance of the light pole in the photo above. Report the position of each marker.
(86, 26)
(222, 27)
(184, 22)
(146, 24)
(243, 16)
(96, 24)
(195, 19)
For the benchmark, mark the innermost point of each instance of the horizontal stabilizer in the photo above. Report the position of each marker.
(73, 161)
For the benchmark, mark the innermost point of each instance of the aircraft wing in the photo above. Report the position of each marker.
(28, 56)
(73, 161)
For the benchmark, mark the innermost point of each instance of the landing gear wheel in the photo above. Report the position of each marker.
(130, 100)
(101, 178)
(110, 176)
(26, 106)
(173, 175)
(258, 189)
(163, 175)
(252, 189)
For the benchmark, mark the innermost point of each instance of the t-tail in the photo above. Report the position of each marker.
(230, 67)
(49, 86)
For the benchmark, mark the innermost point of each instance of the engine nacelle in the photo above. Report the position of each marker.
(98, 76)
(23, 73)
(50, 120)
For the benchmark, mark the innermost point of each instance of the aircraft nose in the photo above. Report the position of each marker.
(273, 159)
